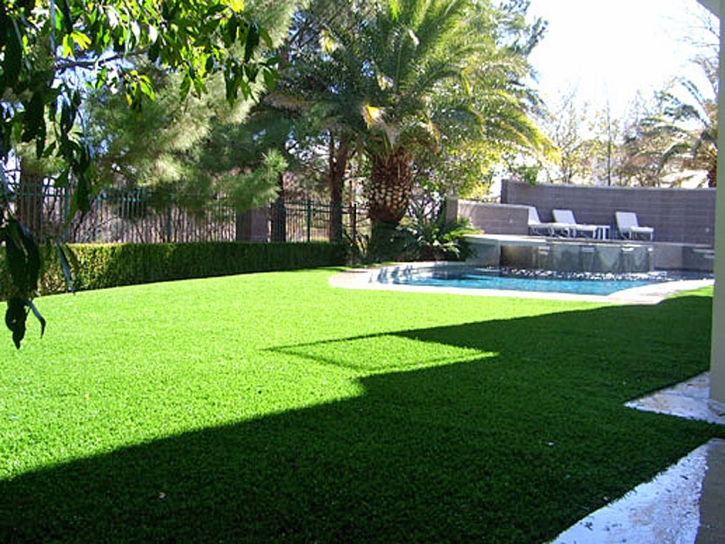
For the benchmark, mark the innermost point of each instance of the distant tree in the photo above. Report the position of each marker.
(686, 122)
(640, 151)
(565, 126)
(197, 150)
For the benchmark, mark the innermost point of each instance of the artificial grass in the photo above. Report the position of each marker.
(271, 406)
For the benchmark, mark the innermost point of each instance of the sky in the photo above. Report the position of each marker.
(608, 50)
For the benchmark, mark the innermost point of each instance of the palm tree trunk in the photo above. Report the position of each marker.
(391, 181)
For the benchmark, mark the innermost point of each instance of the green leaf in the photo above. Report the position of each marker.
(37, 315)
(252, 41)
(147, 87)
(82, 196)
(23, 257)
(13, 56)
(65, 265)
(34, 120)
(236, 5)
(264, 34)
(15, 317)
(270, 78)
(67, 46)
(394, 7)
(185, 86)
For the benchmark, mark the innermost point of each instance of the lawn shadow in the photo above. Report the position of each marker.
(502, 447)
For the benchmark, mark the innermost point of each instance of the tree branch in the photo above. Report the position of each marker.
(64, 64)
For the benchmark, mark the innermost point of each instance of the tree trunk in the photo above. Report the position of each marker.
(712, 168)
(391, 182)
(337, 168)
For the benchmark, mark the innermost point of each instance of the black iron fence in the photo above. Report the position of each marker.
(309, 220)
(143, 217)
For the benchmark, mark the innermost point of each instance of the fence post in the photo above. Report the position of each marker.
(278, 221)
(309, 220)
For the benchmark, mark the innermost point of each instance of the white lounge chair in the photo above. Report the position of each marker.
(548, 229)
(628, 227)
(588, 231)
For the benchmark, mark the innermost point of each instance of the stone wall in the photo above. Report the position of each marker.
(677, 215)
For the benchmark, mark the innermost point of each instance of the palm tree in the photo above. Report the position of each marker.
(688, 123)
(408, 75)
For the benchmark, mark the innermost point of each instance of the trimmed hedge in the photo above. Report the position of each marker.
(112, 265)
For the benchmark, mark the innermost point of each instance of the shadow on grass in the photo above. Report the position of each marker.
(513, 446)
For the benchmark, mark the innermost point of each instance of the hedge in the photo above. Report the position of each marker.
(112, 265)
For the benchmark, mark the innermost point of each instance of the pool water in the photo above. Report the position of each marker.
(580, 284)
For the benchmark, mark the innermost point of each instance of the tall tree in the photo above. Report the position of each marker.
(326, 144)
(564, 125)
(405, 77)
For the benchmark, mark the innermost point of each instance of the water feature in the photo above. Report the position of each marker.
(580, 283)
(578, 256)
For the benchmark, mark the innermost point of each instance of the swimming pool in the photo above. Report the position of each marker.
(534, 281)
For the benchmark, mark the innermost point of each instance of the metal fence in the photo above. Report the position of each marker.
(309, 220)
(142, 217)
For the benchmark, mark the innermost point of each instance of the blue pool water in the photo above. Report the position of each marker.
(582, 284)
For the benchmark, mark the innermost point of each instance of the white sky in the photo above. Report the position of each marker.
(613, 48)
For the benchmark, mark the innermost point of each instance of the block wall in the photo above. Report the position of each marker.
(677, 215)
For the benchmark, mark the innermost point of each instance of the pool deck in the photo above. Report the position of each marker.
(369, 278)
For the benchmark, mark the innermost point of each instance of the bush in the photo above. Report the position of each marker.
(428, 236)
(424, 235)
(100, 266)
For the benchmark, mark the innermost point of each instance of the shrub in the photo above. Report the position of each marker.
(100, 266)
(428, 236)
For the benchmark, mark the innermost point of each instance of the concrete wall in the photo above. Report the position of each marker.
(677, 215)
(491, 218)
(717, 367)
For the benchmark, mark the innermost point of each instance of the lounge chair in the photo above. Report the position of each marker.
(628, 226)
(587, 231)
(548, 229)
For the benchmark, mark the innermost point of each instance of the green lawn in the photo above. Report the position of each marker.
(273, 407)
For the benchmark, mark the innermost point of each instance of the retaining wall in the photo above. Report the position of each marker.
(491, 218)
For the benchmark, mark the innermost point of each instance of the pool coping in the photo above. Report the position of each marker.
(368, 278)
